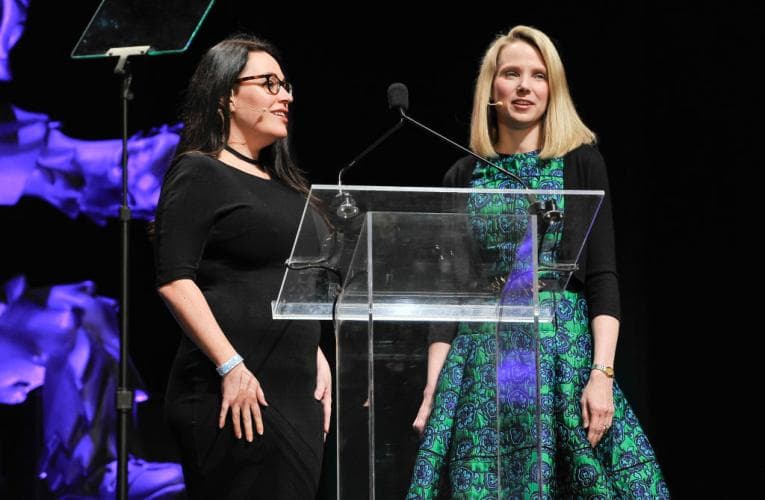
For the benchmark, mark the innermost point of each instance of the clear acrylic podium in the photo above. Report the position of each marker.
(393, 267)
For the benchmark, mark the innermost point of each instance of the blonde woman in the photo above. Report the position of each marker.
(591, 443)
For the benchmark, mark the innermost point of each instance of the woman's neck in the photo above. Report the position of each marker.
(245, 145)
(512, 141)
(245, 164)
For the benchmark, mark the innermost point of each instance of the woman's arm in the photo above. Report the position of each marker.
(441, 335)
(189, 307)
(598, 395)
(437, 352)
(588, 171)
(241, 390)
(323, 390)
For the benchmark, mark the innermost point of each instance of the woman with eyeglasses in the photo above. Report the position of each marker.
(248, 397)
(570, 434)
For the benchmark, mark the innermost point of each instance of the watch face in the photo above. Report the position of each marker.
(605, 369)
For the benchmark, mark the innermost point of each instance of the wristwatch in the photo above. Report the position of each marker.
(608, 370)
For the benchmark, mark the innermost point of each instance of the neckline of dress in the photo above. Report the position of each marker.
(244, 172)
(533, 152)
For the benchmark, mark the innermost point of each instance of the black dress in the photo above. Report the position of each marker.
(230, 232)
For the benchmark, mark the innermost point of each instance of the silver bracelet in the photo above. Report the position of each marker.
(229, 365)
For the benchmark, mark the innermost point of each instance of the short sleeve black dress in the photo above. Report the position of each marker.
(230, 232)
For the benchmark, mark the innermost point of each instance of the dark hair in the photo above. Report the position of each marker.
(206, 114)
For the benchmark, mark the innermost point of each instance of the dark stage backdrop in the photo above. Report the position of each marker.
(641, 78)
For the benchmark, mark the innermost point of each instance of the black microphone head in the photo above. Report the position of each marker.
(398, 96)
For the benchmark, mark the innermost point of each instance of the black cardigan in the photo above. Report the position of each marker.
(584, 168)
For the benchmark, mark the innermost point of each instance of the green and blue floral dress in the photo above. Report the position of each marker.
(462, 454)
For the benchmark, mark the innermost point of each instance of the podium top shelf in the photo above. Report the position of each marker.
(390, 253)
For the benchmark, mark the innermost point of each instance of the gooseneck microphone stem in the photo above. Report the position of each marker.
(408, 118)
(535, 207)
(365, 152)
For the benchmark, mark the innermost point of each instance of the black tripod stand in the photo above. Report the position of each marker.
(124, 403)
(123, 29)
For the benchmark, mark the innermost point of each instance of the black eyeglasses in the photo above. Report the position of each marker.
(272, 83)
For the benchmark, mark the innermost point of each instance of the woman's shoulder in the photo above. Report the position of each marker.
(192, 172)
(585, 167)
(193, 165)
(194, 161)
(584, 154)
(460, 172)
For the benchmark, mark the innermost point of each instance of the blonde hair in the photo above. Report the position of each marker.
(562, 129)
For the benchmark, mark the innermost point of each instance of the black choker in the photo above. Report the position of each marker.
(239, 155)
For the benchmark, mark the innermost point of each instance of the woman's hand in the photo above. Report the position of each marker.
(323, 390)
(597, 406)
(424, 412)
(437, 352)
(242, 394)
